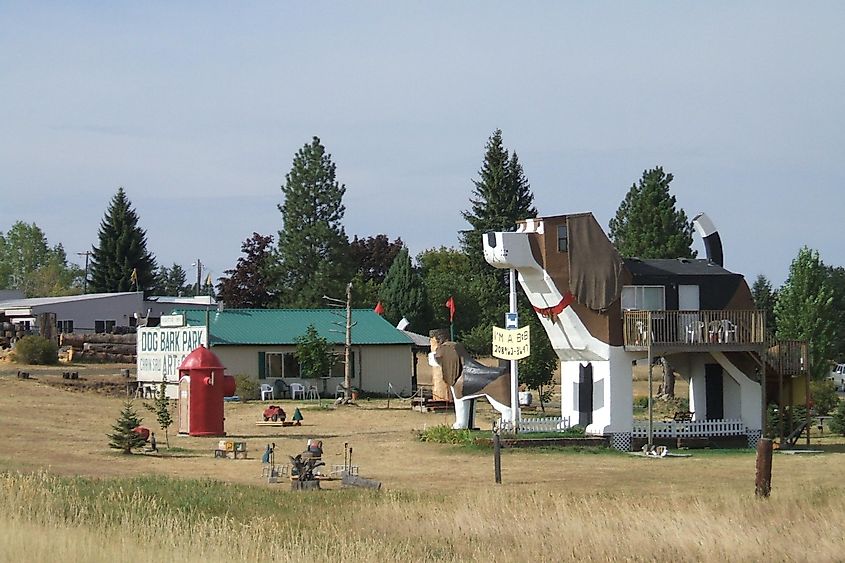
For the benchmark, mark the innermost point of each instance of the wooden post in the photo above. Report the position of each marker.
(650, 394)
(497, 456)
(763, 479)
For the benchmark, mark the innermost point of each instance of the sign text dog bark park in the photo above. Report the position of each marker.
(513, 344)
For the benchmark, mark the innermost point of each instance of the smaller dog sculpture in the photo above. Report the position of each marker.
(469, 380)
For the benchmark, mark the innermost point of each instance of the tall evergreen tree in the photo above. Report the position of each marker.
(765, 298)
(247, 286)
(501, 197)
(121, 262)
(403, 294)
(171, 281)
(647, 224)
(312, 248)
(804, 310)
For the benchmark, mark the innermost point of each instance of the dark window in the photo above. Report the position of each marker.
(562, 238)
(65, 326)
(101, 327)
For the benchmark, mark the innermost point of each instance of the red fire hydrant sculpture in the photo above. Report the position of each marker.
(202, 386)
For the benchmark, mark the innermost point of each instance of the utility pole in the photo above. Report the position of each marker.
(86, 254)
(347, 341)
(198, 264)
(347, 347)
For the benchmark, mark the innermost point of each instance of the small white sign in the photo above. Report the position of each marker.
(511, 321)
(172, 321)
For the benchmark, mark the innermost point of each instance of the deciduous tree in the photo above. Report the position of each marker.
(248, 285)
(121, 261)
(804, 309)
(312, 248)
(28, 264)
(373, 256)
(314, 354)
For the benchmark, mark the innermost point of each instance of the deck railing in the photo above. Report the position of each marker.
(788, 357)
(693, 429)
(694, 328)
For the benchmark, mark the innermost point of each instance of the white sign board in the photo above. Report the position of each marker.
(512, 344)
(172, 321)
(162, 350)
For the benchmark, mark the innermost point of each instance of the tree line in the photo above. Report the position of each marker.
(311, 256)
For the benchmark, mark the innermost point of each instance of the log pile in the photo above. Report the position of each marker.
(9, 332)
(105, 348)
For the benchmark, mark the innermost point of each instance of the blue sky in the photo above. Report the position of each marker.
(197, 109)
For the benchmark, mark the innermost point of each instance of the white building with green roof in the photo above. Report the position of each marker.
(261, 343)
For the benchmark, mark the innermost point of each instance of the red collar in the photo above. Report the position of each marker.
(552, 312)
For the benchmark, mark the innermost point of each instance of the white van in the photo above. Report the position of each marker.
(837, 375)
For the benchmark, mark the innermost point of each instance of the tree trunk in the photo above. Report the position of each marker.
(668, 378)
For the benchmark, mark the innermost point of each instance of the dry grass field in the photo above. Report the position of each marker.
(438, 501)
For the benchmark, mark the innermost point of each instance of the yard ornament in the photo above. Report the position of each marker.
(467, 379)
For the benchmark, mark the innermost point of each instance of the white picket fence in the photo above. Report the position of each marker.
(545, 424)
(693, 429)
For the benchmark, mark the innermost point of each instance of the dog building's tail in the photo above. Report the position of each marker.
(712, 241)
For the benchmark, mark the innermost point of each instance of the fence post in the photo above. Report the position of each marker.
(497, 454)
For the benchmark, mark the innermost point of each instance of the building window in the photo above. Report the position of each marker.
(64, 326)
(286, 366)
(101, 327)
(643, 298)
(562, 238)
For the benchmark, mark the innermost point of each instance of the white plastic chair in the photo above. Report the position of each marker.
(313, 393)
(297, 388)
(339, 392)
(267, 390)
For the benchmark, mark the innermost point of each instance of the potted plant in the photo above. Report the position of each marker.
(354, 392)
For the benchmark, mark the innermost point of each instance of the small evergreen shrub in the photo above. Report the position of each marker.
(824, 396)
(837, 423)
(246, 387)
(36, 350)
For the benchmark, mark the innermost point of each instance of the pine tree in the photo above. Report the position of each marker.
(124, 437)
(765, 298)
(804, 310)
(161, 408)
(647, 224)
(501, 197)
(403, 294)
(122, 251)
(312, 248)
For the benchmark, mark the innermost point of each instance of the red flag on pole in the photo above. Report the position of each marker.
(379, 308)
(450, 304)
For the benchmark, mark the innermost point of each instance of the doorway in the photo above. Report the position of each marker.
(585, 394)
(714, 392)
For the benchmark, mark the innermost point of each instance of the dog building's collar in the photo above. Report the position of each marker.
(551, 313)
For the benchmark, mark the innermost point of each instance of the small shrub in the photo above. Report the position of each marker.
(837, 423)
(246, 387)
(36, 350)
(443, 434)
(640, 402)
(824, 396)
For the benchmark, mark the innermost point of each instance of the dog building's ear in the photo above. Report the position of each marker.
(595, 267)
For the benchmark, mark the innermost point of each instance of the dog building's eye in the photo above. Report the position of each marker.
(491, 239)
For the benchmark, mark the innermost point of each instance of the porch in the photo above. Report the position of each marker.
(668, 332)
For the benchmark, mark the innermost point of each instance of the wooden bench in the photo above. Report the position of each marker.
(682, 416)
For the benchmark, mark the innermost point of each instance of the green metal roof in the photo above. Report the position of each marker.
(284, 326)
